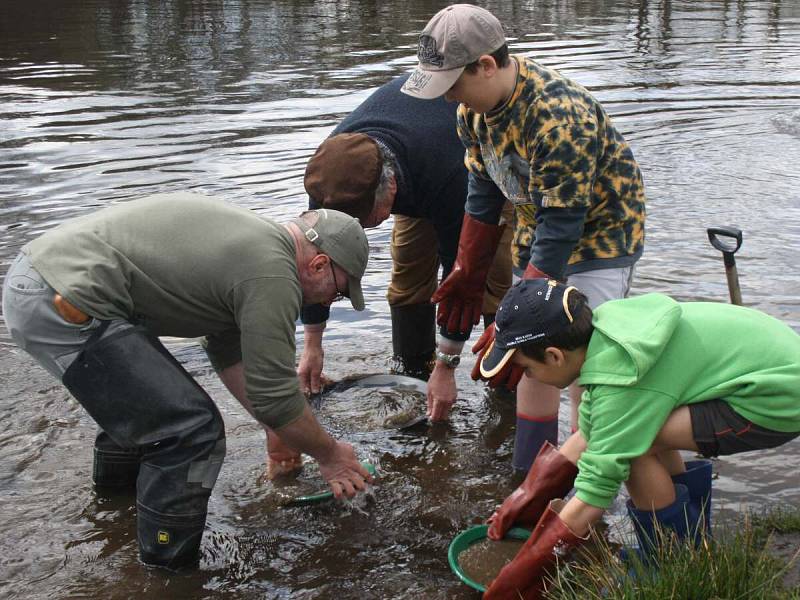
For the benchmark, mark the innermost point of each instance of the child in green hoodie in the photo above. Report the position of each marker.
(660, 376)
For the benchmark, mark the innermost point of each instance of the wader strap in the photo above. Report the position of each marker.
(97, 333)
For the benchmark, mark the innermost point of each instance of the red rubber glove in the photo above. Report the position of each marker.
(531, 272)
(460, 296)
(524, 576)
(508, 376)
(551, 476)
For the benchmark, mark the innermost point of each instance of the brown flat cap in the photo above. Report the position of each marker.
(344, 173)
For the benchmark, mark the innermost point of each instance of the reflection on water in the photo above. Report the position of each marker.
(103, 101)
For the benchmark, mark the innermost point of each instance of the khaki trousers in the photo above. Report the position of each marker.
(415, 263)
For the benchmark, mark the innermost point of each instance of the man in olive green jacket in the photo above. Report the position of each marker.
(89, 299)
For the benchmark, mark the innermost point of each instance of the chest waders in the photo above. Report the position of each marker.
(148, 406)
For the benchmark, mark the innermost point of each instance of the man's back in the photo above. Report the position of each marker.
(422, 135)
(172, 259)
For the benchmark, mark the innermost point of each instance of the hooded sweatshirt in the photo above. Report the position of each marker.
(650, 355)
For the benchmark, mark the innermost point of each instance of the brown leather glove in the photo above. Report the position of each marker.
(551, 476)
(460, 296)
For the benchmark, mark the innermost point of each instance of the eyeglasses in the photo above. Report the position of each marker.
(339, 294)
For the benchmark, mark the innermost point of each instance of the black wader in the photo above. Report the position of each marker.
(150, 408)
(413, 339)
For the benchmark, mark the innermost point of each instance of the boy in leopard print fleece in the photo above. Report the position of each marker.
(541, 141)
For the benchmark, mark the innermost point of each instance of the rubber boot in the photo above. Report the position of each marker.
(697, 479)
(551, 476)
(672, 523)
(529, 437)
(413, 339)
(114, 467)
(170, 542)
(523, 577)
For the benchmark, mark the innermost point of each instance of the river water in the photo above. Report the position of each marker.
(104, 101)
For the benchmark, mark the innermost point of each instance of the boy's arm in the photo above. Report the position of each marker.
(563, 170)
(460, 296)
(619, 424)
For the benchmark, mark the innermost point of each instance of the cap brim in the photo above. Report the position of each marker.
(430, 84)
(495, 359)
(354, 292)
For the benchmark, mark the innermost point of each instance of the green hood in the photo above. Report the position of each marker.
(628, 339)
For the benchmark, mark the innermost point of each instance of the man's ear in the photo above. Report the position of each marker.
(391, 188)
(318, 263)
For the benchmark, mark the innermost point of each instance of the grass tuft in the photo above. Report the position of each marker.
(736, 565)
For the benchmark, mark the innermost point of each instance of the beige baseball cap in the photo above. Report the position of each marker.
(455, 37)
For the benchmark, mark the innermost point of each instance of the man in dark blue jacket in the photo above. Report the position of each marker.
(399, 155)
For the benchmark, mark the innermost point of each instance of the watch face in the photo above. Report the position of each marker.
(451, 360)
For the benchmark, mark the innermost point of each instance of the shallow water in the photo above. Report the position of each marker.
(103, 101)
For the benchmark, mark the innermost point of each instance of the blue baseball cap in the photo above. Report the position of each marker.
(532, 309)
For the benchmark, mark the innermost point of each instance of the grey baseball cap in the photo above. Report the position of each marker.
(455, 37)
(342, 238)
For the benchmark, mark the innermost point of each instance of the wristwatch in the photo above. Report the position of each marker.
(449, 360)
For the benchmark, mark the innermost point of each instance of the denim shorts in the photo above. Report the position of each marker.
(718, 430)
(34, 323)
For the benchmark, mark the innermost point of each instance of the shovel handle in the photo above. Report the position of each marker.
(728, 248)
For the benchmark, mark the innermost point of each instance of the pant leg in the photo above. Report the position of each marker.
(415, 265)
(114, 466)
(415, 262)
(602, 285)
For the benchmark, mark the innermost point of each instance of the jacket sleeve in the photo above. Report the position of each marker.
(266, 310)
(619, 425)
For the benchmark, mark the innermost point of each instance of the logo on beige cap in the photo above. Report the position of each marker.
(427, 51)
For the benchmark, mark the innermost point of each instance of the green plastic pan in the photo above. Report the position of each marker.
(471, 536)
(322, 496)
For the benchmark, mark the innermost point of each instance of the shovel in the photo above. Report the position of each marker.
(728, 249)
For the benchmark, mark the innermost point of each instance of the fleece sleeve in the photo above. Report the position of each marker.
(619, 426)
(563, 169)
